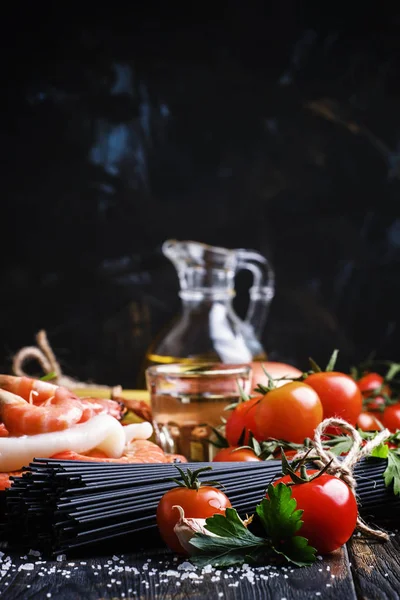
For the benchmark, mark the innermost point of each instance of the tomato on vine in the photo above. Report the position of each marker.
(241, 422)
(291, 412)
(339, 393)
(198, 500)
(369, 421)
(391, 417)
(374, 391)
(328, 504)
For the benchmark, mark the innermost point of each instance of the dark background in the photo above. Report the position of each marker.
(273, 126)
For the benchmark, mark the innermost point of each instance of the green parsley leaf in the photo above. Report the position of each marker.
(232, 543)
(282, 521)
(297, 551)
(278, 513)
(229, 525)
(392, 472)
(381, 451)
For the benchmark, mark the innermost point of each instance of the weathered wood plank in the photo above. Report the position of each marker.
(158, 575)
(376, 568)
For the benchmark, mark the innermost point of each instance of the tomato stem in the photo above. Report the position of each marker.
(303, 473)
(190, 479)
(295, 466)
(316, 368)
(332, 361)
(393, 370)
(329, 367)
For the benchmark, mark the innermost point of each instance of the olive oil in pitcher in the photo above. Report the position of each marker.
(208, 329)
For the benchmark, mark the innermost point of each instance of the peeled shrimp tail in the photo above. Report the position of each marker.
(22, 418)
(102, 432)
(23, 386)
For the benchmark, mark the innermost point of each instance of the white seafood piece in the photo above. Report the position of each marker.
(102, 431)
(137, 431)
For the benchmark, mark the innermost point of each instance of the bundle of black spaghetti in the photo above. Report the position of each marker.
(61, 507)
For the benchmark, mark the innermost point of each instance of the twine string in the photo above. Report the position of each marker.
(343, 469)
(44, 355)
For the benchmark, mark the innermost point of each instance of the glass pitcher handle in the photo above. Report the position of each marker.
(263, 289)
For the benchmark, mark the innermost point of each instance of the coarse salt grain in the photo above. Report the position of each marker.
(27, 567)
(171, 573)
(186, 566)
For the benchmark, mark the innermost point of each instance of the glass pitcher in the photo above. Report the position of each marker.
(208, 328)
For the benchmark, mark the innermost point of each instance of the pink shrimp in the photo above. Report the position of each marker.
(39, 392)
(35, 391)
(5, 481)
(138, 451)
(100, 406)
(59, 412)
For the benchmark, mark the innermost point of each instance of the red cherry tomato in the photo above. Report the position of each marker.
(391, 417)
(368, 421)
(232, 455)
(330, 511)
(339, 394)
(197, 504)
(291, 413)
(242, 417)
(375, 404)
(369, 383)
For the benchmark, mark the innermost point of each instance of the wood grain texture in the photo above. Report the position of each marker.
(158, 575)
(376, 568)
(370, 571)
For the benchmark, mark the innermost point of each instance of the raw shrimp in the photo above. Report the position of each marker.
(139, 451)
(5, 481)
(35, 391)
(21, 418)
(100, 406)
(102, 432)
(38, 392)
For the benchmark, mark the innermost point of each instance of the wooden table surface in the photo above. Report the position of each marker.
(360, 570)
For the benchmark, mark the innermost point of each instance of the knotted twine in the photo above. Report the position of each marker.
(46, 358)
(343, 469)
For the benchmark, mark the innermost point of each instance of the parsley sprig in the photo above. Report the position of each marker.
(233, 543)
